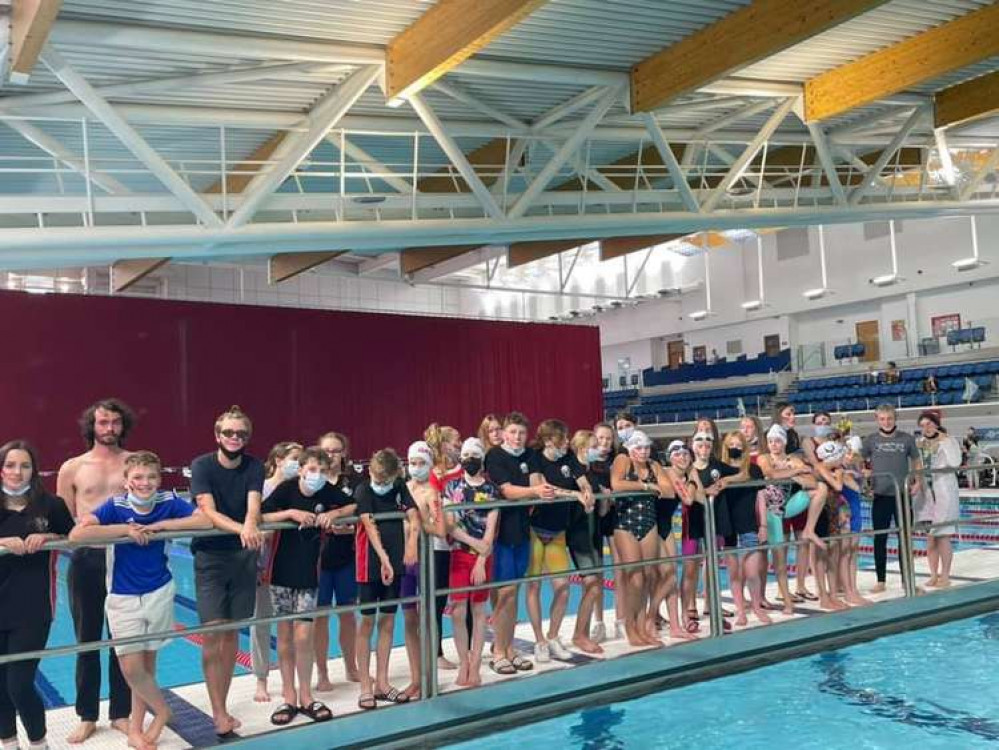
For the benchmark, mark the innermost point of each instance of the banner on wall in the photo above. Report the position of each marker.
(898, 330)
(941, 324)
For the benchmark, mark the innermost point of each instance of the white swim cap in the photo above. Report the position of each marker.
(420, 449)
(777, 433)
(473, 447)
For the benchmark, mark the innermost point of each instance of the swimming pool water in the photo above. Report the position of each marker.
(933, 688)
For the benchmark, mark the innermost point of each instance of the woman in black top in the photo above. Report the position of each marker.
(337, 574)
(29, 517)
(598, 475)
(749, 525)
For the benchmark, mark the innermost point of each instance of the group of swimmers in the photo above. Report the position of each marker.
(762, 485)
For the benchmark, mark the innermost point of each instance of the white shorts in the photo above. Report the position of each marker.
(140, 614)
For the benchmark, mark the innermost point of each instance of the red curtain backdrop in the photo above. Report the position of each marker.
(298, 373)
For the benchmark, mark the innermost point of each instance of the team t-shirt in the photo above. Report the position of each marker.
(742, 504)
(503, 468)
(338, 546)
(460, 498)
(229, 488)
(696, 528)
(295, 560)
(391, 531)
(134, 570)
(553, 517)
(25, 580)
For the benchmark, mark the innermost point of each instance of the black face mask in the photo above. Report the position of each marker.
(735, 453)
(231, 455)
(883, 431)
(471, 466)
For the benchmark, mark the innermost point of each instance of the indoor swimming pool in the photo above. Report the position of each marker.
(932, 688)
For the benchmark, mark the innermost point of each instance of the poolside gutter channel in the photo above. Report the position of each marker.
(463, 714)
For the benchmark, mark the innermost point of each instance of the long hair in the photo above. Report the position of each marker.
(278, 453)
(436, 436)
(484, 429)
(37, 489)
(550, 429)
(113, 405)
(744, 461)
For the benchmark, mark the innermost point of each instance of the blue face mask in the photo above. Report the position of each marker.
(381, 489)
(558, 454)
(289, 469)
(314, 481)
(420, 473)
(139, 502)
(624, 434)
(594, 455)
(513, 451)
(823, 430)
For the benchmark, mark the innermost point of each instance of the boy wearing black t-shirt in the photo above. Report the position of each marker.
(383, 549)
(309, 501)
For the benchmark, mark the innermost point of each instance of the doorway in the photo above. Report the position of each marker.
(674, 354)
(771, 345)
(867, 334)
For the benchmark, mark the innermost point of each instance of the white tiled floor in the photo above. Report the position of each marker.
(969, 565)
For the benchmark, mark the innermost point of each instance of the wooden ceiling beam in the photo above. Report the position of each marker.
(30, 24)
(615, 247)
(416, 259)
(444, 37)
(125, 273)
(967, 101)
(943, 49)
(746, 36)
(289, 265)
(521, 253)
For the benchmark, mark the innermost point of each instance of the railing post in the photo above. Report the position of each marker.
(429, 644)
(906, 553)
(711, 561)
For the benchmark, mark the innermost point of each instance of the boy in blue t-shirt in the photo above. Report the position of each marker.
(140, 594)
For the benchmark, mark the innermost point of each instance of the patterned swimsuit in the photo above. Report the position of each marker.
(636, 514)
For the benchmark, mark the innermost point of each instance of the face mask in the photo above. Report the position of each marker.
(134, 499)
(381, 489)
(231, 455)
(513, 451)
(19, 491)
(472, 466)
(314, 481)
(624, 434)
(594, 455)
(419, 473)
(289, 469)
(735, 453)
(823, 430)
(558, 454)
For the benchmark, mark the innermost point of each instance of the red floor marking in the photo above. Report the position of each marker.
(242, 658)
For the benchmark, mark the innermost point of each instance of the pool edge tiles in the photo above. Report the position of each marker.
(467, 713)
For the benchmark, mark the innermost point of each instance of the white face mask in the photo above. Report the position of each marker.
(140, 502)
(513, 451)
(23, 489)
(289, 469)
(625, 433)
(314, 481)
(420, 473)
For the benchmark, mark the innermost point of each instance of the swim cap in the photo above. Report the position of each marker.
(777, 433)
(420, 449)
(473, 447)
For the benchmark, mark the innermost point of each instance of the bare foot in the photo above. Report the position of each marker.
(323, 684)
(932, 582)
(762, 616)
(943, 583)
(857, 600)
(585, 645)
(838, 604)
(139, 742)
(682, 635)
(740, 619)
(474, 677)
(351, 674)
(413, 691)
(826, 603)
(224, 725)
(82, 733)
(261, 695)
(811, 536)
(878, 588)
(120, 725)
(462, 680)
(152, 734)
(443, 663)
(788, 609)
(635, 637)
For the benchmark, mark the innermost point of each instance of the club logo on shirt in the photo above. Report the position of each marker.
(347, 490)
(41, 524)
(523, 468)
(318, 508)
(565, 471)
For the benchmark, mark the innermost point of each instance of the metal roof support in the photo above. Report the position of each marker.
(459, 94)
(379, 170)
(987, 168)
(826, 159)
(129, 137)
(456, 155)
(858, 193)
(669, 159)
(740, 164)
(583, 131)
(324, 115)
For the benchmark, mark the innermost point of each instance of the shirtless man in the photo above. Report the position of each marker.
(85, 482)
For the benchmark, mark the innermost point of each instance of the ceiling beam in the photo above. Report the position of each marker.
(750, 34)
(448, 263)
(521, 253)
(240, 175)
(615, 247)
(288, 265)
(125, 273)
(377, 263)
(967, 101)
(30, 24)
(444, 37)
(412, 260)
(941, 50)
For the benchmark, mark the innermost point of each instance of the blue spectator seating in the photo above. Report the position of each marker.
(740, 367)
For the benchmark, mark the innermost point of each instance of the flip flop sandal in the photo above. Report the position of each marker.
(795, 598)
(521, 664)
(316, 711)
(367, 702)
(502, 666)
(283, 715)
(806, 596)
(392, 696)
(693, 626)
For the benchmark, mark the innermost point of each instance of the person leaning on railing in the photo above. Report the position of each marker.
(29, 517)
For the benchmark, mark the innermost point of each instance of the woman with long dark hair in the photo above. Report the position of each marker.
(29, 517)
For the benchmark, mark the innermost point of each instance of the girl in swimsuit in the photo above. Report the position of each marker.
(635, 530)
(666, 588)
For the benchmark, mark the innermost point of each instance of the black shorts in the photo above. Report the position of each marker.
(370, 593)
(225, 583)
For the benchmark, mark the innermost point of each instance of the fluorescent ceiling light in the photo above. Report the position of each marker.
(966, 264)
(816, 293)
(699, 315)
(885, 280)
(755, 304)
